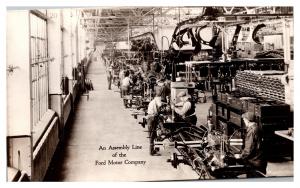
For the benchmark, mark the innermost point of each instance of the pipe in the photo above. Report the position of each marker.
(162, 45)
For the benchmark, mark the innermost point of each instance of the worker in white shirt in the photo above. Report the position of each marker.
(185, 109)
(126, 83)
(153, 110)
(121, 77)
(155, 103)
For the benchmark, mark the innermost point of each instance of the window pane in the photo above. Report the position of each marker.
(39, 68)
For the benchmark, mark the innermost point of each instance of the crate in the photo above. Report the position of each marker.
(222, 112)
(235, 119)
(253, 107)
(245, 102)
(222, 97)
(235, 103)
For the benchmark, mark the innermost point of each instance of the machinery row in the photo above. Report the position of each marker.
(163, 89)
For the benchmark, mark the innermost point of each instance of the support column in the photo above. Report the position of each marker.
(55, 66)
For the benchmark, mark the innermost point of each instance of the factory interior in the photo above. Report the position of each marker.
(150, 93)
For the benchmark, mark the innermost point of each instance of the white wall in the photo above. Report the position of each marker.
(73, 37)
(18, 82)
(67, 43)
(82, 44)
(54, 51)
(18, 55)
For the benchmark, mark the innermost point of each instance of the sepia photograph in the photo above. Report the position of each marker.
(149, 93)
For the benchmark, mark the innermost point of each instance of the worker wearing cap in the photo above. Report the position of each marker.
(252, 154)
(153, 109)
(187, 111)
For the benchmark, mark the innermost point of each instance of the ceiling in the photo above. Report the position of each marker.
(113, 24)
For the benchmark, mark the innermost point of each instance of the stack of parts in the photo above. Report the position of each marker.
(266, 84)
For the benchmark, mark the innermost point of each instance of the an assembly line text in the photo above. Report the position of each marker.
(119, 155)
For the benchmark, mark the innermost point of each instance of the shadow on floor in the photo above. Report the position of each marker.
(54, 172)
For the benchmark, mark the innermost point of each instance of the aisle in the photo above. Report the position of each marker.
(103, 121)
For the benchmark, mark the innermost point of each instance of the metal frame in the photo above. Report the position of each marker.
(39, 66)
(141, 17)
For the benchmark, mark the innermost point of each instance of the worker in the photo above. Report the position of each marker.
(121, 77)
(165, 84)
(126, 83)
(155, 71)
(252, 154)
(109, 76)
(145, 69)
(153, 109)
(187, 111)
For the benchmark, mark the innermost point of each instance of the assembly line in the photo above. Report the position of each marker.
(150, 94)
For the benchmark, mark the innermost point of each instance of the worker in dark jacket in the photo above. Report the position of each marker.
(109, 76)
(252, 154)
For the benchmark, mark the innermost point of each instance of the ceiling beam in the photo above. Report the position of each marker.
(108, 17)
(103, 27)
(153, 9)
(124, 17)
(114, 40)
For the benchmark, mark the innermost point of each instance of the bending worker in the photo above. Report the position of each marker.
(252, 154)
(187, 111)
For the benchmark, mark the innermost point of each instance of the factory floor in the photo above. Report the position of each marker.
(103, 121)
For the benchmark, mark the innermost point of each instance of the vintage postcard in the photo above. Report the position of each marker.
(149, 93)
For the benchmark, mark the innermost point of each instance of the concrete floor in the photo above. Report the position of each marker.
(103, 121)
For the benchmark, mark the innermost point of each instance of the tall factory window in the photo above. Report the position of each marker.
(39, 67)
